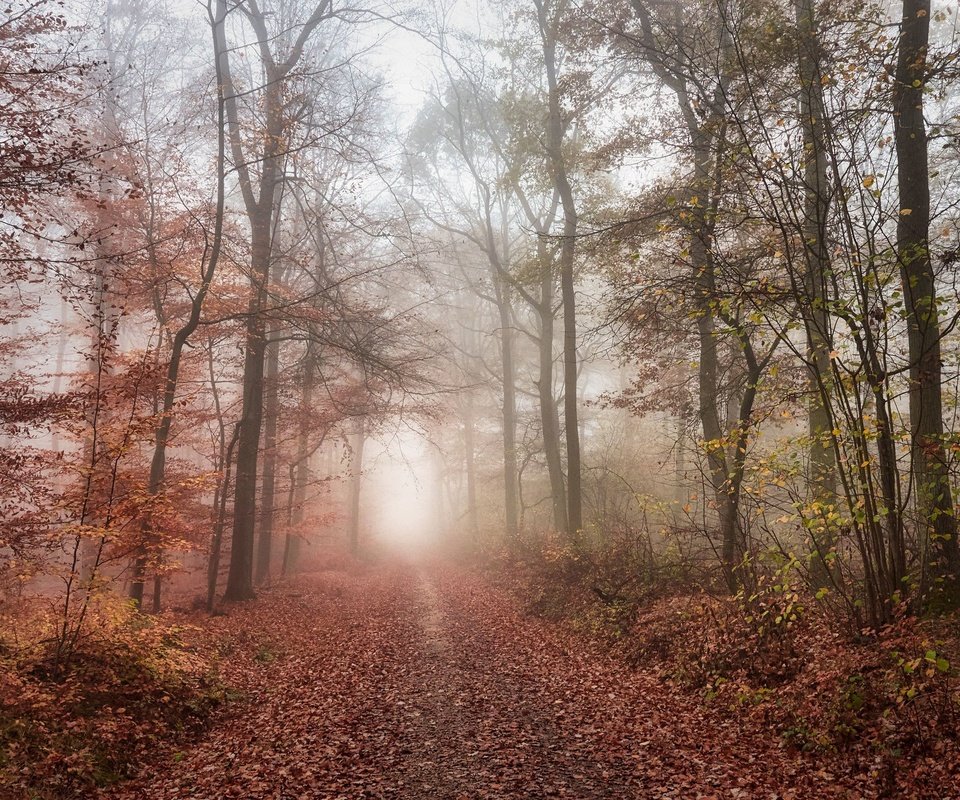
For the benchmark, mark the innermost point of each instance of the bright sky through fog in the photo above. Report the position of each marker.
(398, 500)
(408, 61)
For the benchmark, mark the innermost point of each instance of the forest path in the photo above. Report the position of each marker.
(427, 683)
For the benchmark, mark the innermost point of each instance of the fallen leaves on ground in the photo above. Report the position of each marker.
(407, 682)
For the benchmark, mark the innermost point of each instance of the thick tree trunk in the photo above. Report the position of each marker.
(733, 545)
(714, 433)
(549, 421)
(571, 375)
(511, 495)
(240, 576)
(816, 205)
(931, 477)
(260, 209)
(550, 21)
(707, 140)
(157, 593)
(271, 410)
(356, 482)
(708, 385)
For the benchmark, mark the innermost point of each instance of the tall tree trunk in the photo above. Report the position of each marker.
(220, 502)
(240, 576)
(894, 560)
(570, 365)
(707, 141)
(269, 478)
(931, 476)
(549, 421)
(556, 132)
(714, 431)
(301, 469)
(816, 205)
(511, 495)
(260, 207)
(157, 592)
(470, 463)
(439, 472)
(356, 482)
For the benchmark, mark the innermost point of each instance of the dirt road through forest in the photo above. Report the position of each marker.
(426, 683)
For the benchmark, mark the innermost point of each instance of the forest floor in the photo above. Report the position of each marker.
(409, 681)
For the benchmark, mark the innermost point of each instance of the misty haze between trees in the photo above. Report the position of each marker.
(345, 340)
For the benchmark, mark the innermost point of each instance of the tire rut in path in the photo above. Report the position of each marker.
(438, 761)
(495, 734)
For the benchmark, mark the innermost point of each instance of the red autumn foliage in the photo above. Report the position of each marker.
(44, 149)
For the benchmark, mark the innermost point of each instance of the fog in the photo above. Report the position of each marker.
(289, 276)
(400, 484)
(341, 321)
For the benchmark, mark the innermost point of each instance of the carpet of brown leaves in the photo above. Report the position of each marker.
(425, 682)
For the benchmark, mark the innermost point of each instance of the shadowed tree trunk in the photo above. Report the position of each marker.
(705, 122)
(816, 206)
(934, 495)
(240, 577)
(549, 420)
(269, 478)
(550, 18)
(511, 495)
(260, 205)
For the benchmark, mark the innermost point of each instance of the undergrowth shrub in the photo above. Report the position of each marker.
(70, 726)
(771, 655)
(599, 581)
(704, 641)
(557, 570)
(778, 651)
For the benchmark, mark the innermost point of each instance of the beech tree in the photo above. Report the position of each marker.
(929, 461)
(550, 18)
(209, 260)
(259, 165)
(695, 64)
(46, 164)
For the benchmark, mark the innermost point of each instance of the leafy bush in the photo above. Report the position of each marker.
(778, 651)
(597, 581)
(67, 727)
(770, 654)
